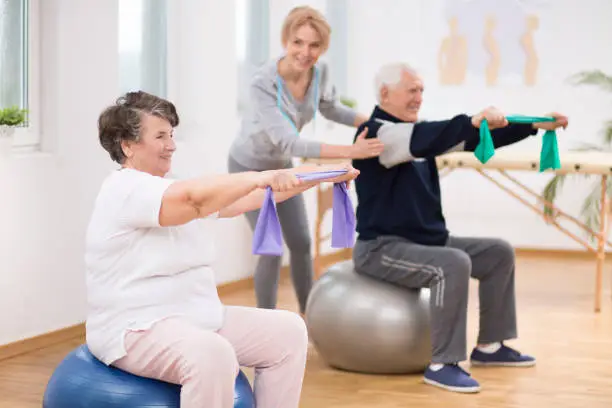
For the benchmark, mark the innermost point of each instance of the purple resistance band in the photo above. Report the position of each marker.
(267, 237)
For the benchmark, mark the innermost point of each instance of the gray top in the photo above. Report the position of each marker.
(397, 137)
(269, 134)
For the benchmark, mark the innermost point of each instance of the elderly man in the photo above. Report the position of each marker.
(403, 239)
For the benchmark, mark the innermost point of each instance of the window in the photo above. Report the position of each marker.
(142, 46)
(13, 59)
(337, 55)
(18, 73)
(252, 43)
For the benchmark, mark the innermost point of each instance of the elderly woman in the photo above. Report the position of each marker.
(285, 95)
(153, 304)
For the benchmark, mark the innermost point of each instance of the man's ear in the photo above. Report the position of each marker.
(384, 93)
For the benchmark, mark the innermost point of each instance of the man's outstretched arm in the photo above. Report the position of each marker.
(407, 141)
(506, 136)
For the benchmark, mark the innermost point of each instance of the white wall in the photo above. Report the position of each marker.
(571, 37)
(46, 197)
(202, 77)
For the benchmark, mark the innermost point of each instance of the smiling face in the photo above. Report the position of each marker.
(403, 100)
(137, 132)
(303, 48)
(305, 37)
(153, 151)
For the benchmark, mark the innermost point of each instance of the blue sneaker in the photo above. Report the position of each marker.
(451, 377)
(505, 356)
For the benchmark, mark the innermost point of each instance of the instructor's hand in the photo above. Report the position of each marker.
(495, 118)
(366, 148)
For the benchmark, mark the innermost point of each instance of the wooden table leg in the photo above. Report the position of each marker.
(317, 249)
(601, 242)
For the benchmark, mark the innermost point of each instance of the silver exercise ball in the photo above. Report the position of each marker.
(364, 325)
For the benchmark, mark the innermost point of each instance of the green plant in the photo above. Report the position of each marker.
(12, 116)
(591, 206)
(346, 101)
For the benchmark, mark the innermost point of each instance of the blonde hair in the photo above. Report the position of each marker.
(299, 16)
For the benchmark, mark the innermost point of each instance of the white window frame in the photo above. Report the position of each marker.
(28, 138)
(337, 55)
(157, 44)
(257, 45)
(153, 58)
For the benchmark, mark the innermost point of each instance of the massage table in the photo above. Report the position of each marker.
(596, 164)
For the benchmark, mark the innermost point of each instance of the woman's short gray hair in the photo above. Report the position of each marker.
(390, 75)
(122, 121)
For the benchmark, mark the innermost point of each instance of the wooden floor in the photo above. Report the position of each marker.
(556, 322)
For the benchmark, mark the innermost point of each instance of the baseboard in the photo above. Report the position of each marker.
(238, 285)
(42, 341)
(48, 339)
(247, 283)
(558, 253)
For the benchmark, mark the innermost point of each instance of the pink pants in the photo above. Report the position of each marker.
(206, 363)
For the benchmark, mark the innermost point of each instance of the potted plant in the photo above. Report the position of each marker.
(10, 118)
(346, 101)
(590, 211)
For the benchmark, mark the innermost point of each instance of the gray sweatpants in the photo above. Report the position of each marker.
(296, 234)
(446, 270)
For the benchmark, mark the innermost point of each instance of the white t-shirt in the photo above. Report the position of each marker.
(139, 272)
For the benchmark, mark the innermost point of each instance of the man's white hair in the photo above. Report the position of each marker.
(390, 75)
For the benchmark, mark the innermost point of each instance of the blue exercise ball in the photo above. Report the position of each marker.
(82, 381)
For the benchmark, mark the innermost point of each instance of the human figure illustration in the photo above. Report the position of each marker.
(528, 44)
(453, 55)
(492, 48)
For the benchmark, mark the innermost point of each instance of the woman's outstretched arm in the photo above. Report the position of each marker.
(187, 200)
(233, 194)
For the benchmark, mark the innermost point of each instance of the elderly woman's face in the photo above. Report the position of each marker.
(304, 47)
(153, 152)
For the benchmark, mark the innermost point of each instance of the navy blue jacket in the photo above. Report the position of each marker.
(404, 200)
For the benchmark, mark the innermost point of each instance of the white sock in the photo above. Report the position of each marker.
(436, 366)
(490, 348)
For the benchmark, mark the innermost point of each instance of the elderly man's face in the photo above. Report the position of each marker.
(404, 99)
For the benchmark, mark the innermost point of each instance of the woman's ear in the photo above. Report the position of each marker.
(126, 147)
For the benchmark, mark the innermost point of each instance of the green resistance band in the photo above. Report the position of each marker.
(549, 155)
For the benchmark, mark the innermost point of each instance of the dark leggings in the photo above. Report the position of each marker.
(294, 224)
